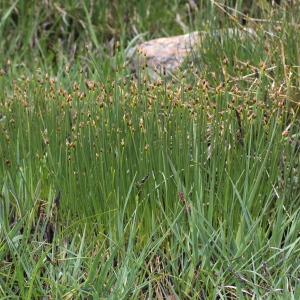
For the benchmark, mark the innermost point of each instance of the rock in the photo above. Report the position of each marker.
(163, 56)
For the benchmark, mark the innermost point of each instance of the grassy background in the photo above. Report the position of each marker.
(50, 34)
(180, 189)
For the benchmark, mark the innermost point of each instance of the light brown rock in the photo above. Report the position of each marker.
(163, 55)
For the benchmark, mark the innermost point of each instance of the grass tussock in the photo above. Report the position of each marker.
(184, 188)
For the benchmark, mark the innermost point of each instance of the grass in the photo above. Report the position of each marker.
(129, 189)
